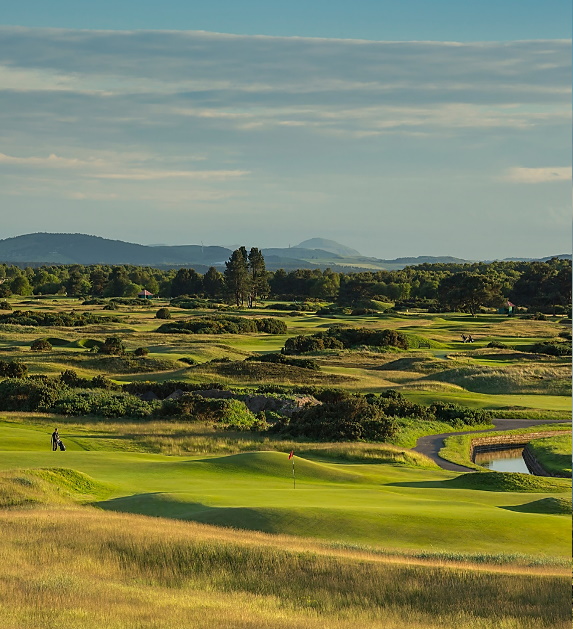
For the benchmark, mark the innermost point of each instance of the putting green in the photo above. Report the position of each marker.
(381, 505)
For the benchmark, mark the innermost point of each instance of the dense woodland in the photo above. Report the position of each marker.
(541, 286)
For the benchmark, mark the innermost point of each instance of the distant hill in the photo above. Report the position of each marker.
(561, 256)
(329, 245)
(43, 248)
(83, 249)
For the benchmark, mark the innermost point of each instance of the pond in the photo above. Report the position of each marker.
(510, 460)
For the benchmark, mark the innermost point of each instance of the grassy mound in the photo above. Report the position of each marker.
(553, 453)
(556, 506)
(417, 341)
(55, 341)
(418, 364)
(47, 486)
(85, 343)
(516, 380)
(508, 481)
(272, 464)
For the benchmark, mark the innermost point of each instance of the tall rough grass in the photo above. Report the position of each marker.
(82, 569)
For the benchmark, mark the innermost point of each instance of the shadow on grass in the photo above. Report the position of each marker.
(555, 506)
(497, 481)
(163, 505)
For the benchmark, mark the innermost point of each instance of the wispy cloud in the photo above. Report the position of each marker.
(152, 175)
(210, 125)
(538, 175)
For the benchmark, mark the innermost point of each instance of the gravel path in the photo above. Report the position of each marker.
(432, 444)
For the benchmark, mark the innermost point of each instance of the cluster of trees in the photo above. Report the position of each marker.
(245, 281)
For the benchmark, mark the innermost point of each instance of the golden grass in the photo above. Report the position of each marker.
(80, 568)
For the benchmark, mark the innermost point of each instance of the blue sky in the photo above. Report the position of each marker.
(404, 20)
(406, 144)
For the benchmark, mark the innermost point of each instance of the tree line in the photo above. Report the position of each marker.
(245, 282)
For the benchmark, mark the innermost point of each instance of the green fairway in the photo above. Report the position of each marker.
(379, 505)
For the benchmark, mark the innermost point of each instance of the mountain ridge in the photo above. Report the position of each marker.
(74, 248)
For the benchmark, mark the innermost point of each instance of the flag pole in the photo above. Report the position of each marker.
(291, 456)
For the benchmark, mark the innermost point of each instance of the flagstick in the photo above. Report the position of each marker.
(293, 476)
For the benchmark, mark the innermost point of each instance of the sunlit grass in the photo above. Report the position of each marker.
(83, 569)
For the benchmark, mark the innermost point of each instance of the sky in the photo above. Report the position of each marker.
(396, 128)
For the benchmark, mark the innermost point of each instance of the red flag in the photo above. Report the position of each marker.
(291, 454)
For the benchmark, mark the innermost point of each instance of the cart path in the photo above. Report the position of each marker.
(430, 445)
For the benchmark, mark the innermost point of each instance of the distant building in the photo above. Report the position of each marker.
(508, 310)
(145, 294)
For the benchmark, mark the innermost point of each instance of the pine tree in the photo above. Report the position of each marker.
(237, 277)
(259, 281)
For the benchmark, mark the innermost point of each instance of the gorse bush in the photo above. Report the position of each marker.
(167, 387)
(102, 403)
(113, 345)
(343, 338)
(304, 307)
(224, 324)
(192, 407)
(163, 313)
(30, 394)
(61, 319)
(311, 343)
(12, 369)
(551, 348)
(353, 419)
(70, 378)
(187, 303)
(275, 357)
(41, 345)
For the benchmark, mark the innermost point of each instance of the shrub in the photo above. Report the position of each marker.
(71, 378)
(457, 415)
(551, 348)
(41, 345)
(236, 415)
(188, 303)
(294, 307)
(163, 313)
(224, 324)
(353, 419)
(192, 407)
(497, 345)
(311, 343)
(274, 357)
(102, 403)
(102, 382)
(167, 387)
(112, 345)
(4, 305)
(30, 394)
(61, 319)
(339, 338)
(12, 369)
(141, 351)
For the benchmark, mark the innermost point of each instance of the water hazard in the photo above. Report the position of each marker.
(510, 460)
